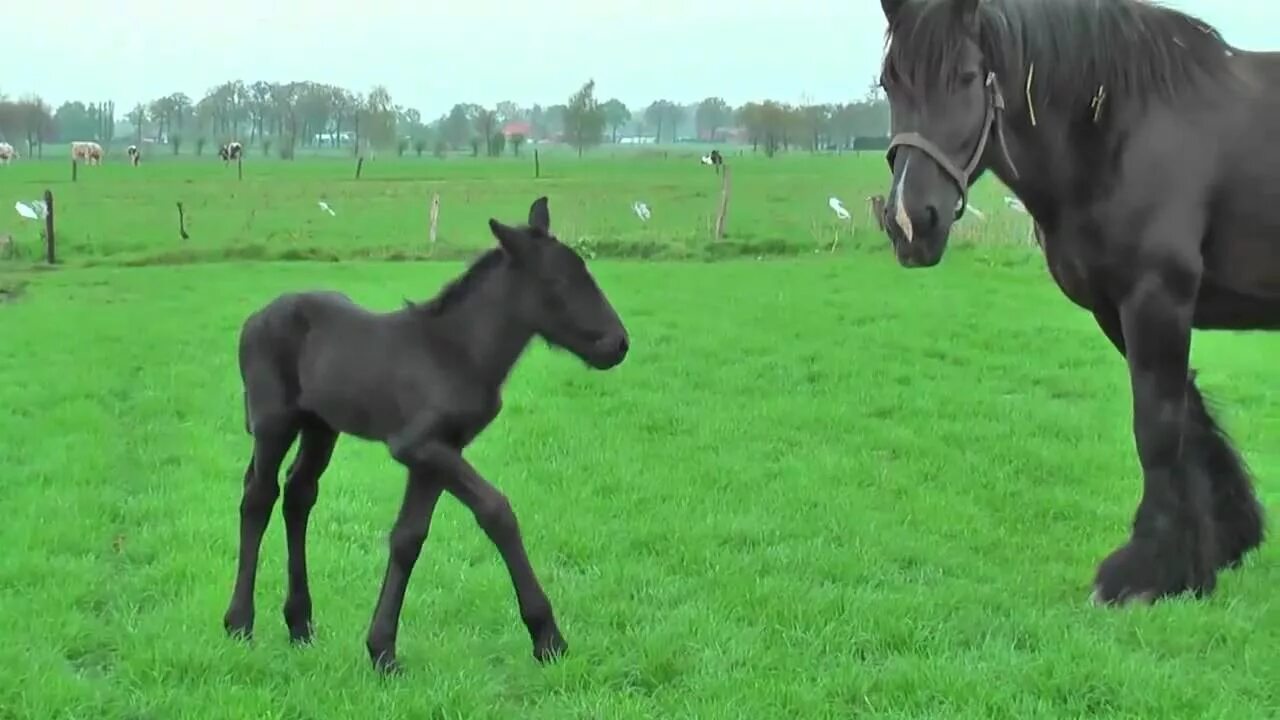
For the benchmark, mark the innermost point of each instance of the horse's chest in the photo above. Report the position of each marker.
(1073, 273)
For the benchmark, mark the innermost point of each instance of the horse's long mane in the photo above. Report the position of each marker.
(1136, 50)
(462, 286)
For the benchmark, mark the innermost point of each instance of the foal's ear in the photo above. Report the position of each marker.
(514, 241)
(891, 8)
(539, 216)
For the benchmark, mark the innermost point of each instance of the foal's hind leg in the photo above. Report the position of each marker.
(1236, 510)
(271, 440)
(301, 486)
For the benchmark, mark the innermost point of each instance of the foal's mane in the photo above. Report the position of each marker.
(1136, 51)
(463, 285)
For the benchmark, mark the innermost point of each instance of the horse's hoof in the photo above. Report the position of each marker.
(1143, 571)
(550, 646)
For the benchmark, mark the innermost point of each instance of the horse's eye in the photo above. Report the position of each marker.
(968, 78)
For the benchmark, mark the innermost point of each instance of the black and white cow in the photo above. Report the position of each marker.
(713, 159)
(230, 151)
(135, 156)
(7, 153)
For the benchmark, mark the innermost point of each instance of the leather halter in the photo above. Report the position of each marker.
(990, 122)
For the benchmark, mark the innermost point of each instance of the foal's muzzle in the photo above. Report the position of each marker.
(609, 351)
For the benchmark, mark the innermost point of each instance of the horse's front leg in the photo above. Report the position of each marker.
(1171, 549)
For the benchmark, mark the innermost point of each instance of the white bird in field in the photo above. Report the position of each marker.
(1014, 203)
(26, 211)
(325, 207)
(641, 210)
(839, 209)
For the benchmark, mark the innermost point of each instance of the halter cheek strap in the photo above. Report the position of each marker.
(990, 122)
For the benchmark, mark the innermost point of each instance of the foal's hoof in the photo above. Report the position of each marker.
(549, 646)
(297, 617)
(301, 634)
(385, 663)
(238, 626)
(1143, 572)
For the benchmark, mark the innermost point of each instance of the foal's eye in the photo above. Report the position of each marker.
(968, 77)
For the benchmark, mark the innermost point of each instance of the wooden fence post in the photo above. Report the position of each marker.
(724, 203)
(75, 169)
(537, 167)
(240, 166)
(50, 253)
(435, 218)
(359, 166)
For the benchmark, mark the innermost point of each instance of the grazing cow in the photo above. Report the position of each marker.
(135, 157)
(230, 151)
(86, 151)
(7, 153)
(714, 159)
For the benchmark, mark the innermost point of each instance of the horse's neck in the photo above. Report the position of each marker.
(1037, 163)
(484, 324)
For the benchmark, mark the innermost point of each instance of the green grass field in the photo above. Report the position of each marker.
(820, 485)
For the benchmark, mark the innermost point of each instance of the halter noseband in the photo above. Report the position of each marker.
(990, 122)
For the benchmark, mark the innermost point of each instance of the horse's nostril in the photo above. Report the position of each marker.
(623, 345)
(931, 216)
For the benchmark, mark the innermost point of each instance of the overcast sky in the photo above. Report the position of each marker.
(481, 51)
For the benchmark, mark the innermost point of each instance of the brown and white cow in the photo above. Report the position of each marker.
(230, 151)
(86, 151)
(135, 157)
(7, 153)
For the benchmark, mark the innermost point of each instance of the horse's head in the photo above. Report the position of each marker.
(944, 104)
(556, 295)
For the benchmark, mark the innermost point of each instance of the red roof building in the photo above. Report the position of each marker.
(517, 127)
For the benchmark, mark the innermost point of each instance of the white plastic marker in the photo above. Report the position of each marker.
(325, 207)
(838, 208)
(1016, 204)
(975, 211)
(641, 210)
(26, 211)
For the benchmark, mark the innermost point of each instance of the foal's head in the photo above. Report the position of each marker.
(556, 295)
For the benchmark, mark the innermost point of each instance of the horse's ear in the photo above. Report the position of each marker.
(967, 12)
(539, 215)
(514, 241)
(891, 8)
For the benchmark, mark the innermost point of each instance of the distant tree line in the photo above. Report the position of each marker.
(283, 117)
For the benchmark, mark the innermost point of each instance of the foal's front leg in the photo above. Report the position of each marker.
(407, 536)
(445, 464)
(1172, 547)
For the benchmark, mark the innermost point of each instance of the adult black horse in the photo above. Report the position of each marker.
(1144, 146)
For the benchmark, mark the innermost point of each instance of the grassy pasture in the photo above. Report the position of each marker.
(821, 486)
(119, 214)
